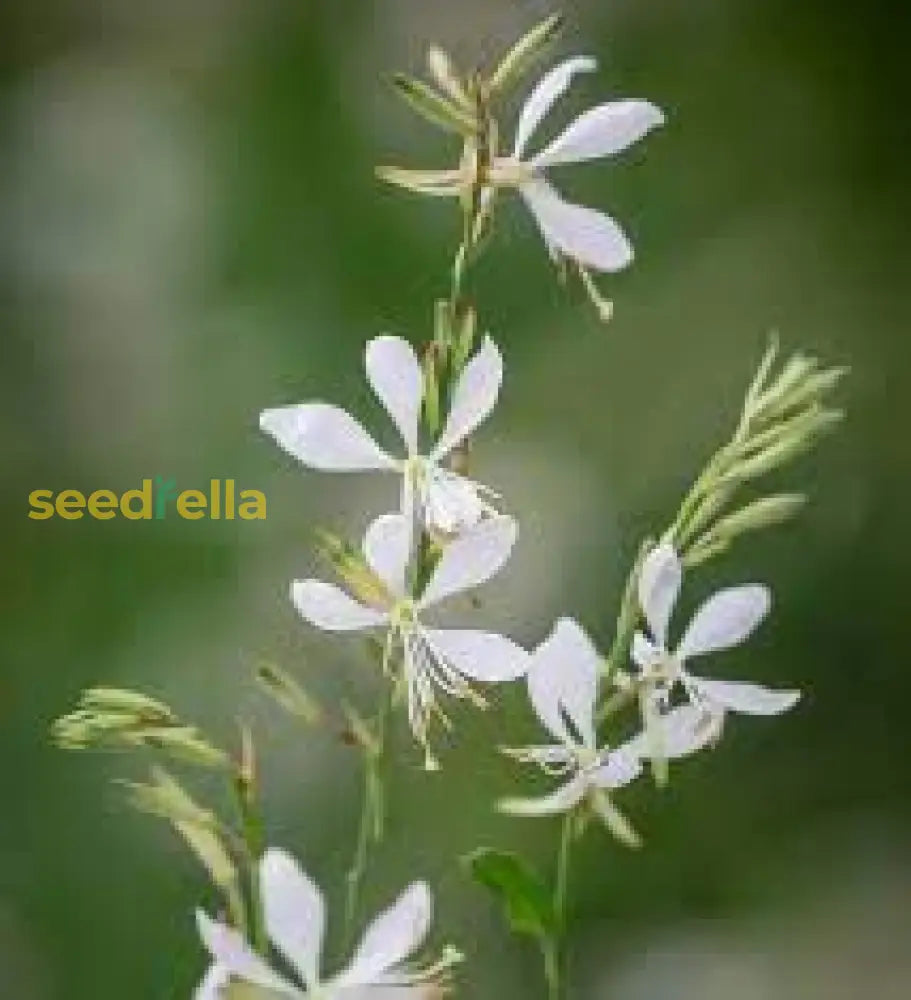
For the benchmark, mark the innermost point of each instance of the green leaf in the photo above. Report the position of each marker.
(528, 905)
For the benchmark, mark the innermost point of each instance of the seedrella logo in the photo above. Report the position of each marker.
(153, 500)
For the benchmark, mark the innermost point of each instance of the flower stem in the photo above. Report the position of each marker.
(370, 825)
(550, 951)
(252, 833)
(552, 945)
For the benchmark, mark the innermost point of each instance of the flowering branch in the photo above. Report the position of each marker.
(446, 536)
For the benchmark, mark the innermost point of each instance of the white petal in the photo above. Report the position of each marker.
(566, 797)
(473, 398)
(482, 656)
(563, 678)
(551, 86)
(391, 938)
(325, 437)
(326, 606)
(682, 731)
(601, 131)
(395, 374)
(471, 559)
(659, 586)
(725, 620)
(215, 980)
(750, 699)
(580, 233)
(230, 950)
(644, 652)
(452, 503)
(623, 766)
(295, 913)
(387, 546)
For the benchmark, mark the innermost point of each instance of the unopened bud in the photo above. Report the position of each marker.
(433, 106)
(522, 56)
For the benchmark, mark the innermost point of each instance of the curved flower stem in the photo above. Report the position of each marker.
(370, 825)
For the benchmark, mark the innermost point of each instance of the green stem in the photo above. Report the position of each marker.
(561, 887)
(253, 836)
(370, 825)
(552, 946)
(551, 954)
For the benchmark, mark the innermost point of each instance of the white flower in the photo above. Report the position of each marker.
(563, 688)
(587, 236)
(725, 620)
(328, 438)
(295, 918)
(432, 657)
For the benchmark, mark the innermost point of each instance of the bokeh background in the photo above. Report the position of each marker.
(191, 231)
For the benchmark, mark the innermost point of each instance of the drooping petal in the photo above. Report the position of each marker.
(230, 951)
(391, 938)
(551, 87)
(750, 699)
(566, 797)
(395, 374)
(683, 730)
(563, 680)
(213, 983)
(601, 131)
(295, 913)
(471, 559)
(726, 619)
(622, 766)
(387, 546)
(473, 398)
(482, 656)
(326, 606)
(660, 579)
(325, 437)
(582, 234)
(607, 811)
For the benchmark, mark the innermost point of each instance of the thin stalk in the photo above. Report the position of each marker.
(561, 886)
(551, 955)
(252, 833)
(370, 824)
(552, 945)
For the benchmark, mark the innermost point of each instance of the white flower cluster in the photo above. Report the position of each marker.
(448, 536)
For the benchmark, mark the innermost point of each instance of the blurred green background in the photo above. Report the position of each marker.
(191, 232)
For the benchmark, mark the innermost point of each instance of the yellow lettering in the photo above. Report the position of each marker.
(40, 502)
(191, 504)
(144, 495)
(253, 505)
(70, 504)
(103, 504)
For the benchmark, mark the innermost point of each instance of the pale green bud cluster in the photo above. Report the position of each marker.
(784, 415)
(117, 719)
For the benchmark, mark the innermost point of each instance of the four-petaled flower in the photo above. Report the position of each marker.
(431, 657)
(563, 688)
(725, 620)
(582, 234)
(295, 918)
(328, 438)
